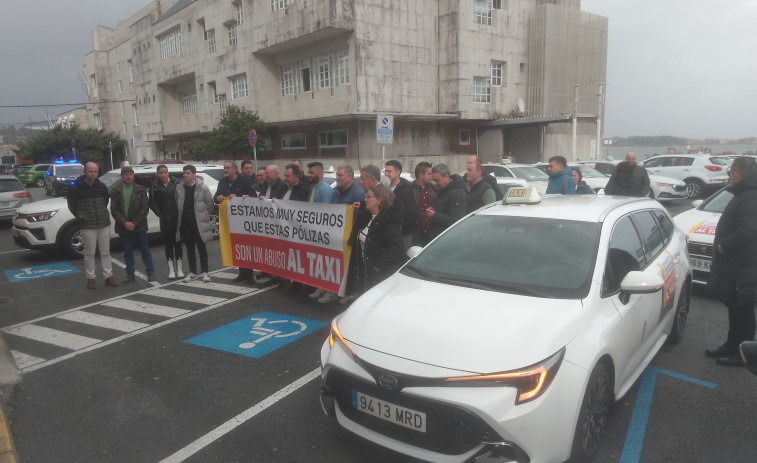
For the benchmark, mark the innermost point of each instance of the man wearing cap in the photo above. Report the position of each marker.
(129, 207)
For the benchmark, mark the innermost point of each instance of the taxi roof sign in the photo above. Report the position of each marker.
(522, 195)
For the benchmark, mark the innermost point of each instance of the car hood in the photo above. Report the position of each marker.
(699, 225)
(662, 179)
(458, 328)
(45, 205)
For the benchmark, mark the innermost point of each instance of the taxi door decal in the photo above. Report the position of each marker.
(668, 270)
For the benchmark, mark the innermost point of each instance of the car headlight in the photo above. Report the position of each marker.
(39, 217)
(335, 336)
(531, 382)
(665, 185)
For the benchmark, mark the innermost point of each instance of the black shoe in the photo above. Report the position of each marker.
(250, 280)
(722, 351)
(730, 361)
(239, 278)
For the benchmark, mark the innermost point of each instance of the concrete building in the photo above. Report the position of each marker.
(459, 77)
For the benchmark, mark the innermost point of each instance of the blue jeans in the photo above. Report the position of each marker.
(140, 238)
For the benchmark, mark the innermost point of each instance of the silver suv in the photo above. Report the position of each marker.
(703, 174)
(49, 225)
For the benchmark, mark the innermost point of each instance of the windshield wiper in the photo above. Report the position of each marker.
(421, 273)
(488, 286)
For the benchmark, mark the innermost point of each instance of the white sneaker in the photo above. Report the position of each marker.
(205, 277)
(317, 294)
(329, 298)
(346, 299)
(190, 276)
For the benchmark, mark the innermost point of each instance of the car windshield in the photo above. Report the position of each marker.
(541, 257)
(590, 172)
(530, 174)
(110, 179)
(215, 173)
(717, 202)
(71, 169)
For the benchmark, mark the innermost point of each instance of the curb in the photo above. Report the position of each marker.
(7, 450)
(10, 375)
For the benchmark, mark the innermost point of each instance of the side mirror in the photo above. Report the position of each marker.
(697, 203)
(749, 355)
(639, 283)
(414, 251)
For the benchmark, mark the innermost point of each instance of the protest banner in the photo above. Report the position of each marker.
(300, 241)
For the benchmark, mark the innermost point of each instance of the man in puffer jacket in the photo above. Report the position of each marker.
(451, 201)
(194, 201)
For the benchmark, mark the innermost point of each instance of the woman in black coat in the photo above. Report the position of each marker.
(163, 204)
(376, 240)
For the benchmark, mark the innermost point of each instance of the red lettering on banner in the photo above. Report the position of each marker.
(312, 265)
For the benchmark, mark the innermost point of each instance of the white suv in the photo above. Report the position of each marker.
(702, 174)
(49, 226)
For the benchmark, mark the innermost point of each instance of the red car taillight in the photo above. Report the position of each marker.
(21, 194)
(713, 168)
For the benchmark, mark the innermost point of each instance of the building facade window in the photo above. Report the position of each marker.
(332, 139)
(118, 67)
(482, 12)
(465, 136)
(136, 119)
(222, 104)
(122, 106)
(281, 4)
(323, 71)
(123, 127)
(240, 13)
(498, 72)
(233, 37)
(481, 90)
(170, 43)
(120, 86)
(292, 141)
(131, 72)
(239, 87)
(98, 120)
(210, 40)
(188, 101)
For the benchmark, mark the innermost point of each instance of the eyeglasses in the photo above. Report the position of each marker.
(369, 196)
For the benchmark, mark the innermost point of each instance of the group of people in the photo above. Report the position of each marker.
(184, 209)
(628, 179)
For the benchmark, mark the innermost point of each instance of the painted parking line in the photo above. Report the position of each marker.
(103, 321)
(240, 419)
(145, 307)
(24, 360)
(54, 337)
(221, 287)
(184, 297)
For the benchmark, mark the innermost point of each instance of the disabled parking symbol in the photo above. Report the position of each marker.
(257, 335)
(40, 271)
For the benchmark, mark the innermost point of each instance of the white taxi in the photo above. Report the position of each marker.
(510, 336)
(700, 224)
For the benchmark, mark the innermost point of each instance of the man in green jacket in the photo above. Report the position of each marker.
(88, 201)
(129, 207)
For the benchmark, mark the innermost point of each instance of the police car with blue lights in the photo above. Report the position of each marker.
(510, 336)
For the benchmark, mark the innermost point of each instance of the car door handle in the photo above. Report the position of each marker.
(677, 258)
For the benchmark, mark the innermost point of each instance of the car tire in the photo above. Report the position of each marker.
(39, 182)
(694, 188)
(47, 192)
(681, 315)
(596, 407)
(72, 243)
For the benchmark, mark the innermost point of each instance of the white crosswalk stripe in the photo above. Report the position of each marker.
(52, 336)
(145, 307)
(28, 339)
(102, 321)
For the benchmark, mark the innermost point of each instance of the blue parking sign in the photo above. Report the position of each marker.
(257, 335)
(40, 271)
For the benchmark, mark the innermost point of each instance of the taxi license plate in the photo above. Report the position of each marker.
(389, 412)
(700, 264)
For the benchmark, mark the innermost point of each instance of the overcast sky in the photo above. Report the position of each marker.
(675, 67)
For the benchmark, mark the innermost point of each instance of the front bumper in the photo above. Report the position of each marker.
(462, 423)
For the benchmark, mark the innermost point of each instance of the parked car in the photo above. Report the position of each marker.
(60, 176)
(530, 174)
(703, 174)
(19, 169)
(50, 226)
(661, 188)
(700, 224)
(5, 169)
(13, 195)
(541, 317)
(35, 175)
